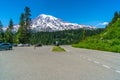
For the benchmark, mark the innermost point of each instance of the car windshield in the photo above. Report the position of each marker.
(5, 44)
(1, 42)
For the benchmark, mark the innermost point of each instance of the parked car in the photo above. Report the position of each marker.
(15, 45)
(20, 45)
(23, 45)
(38, 45)
(1, 42)
(26, 45)
(5, 46)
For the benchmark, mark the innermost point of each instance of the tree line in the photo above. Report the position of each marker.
(63, 37)
(23, 33)
(114, 19)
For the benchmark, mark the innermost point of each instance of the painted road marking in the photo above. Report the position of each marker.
(96, 62)
(117, 71)
(106, 66)
(83, 57)
(89, 60)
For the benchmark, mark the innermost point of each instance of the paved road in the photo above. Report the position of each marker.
(42, 64)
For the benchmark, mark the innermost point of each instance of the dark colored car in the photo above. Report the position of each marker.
(5, 46)
(1, 42)
(15, 45)
(38, 45)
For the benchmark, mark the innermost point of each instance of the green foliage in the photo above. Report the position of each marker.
(63, 37)
(114, 19)
(20, 37)
(10, 25)
(24, 32)
(58, 49)
(116, 16)
(9, 33)
(1, 32)
(27, 15)
(1, 27)
(108, 40)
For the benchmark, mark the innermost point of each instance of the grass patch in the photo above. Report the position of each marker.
(58, 49)
(104, 45)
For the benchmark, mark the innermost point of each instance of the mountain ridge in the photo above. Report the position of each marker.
(49, 23)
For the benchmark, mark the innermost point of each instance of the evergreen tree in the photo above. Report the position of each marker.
(114, 19)
(11, 25)
(116, 16)
(1, 32)
(119, 14)
(1, 27)
(27, 21)
(24, 31)
(84, 34)
(27, 15)
(21, 34)
(9, 33)
(27, 18)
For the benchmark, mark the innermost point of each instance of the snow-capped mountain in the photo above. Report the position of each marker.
(15, 28)
(49, 23)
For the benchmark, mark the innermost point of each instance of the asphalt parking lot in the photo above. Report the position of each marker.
(27, 63)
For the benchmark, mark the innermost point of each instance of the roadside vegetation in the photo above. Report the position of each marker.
(58, 49)
(66, 37)
(108, 40)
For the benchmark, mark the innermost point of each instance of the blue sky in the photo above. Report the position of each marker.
(89, 12)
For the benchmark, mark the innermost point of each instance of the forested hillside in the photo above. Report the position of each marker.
(63, 37)
(108, 40)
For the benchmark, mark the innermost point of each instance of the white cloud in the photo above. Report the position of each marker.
(102, 24)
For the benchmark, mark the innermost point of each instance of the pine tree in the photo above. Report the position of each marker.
(24, 31)
(1, 32)
(1, 27)
(83, 34)
(27, 23)
(20, 37)
(27, 17)
(114, 19)
(11, 25)
(119, 14)
(9, 33)
(116, 16)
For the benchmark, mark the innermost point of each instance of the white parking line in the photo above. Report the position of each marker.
(106, 66)
(96, 62)
(117, 71)
(83, 57)
(89, 60)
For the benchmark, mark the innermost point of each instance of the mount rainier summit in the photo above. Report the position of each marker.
(50, 23)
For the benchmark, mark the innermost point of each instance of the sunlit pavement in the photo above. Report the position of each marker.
(28, 63)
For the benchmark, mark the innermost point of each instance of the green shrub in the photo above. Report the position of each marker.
(58, 49)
